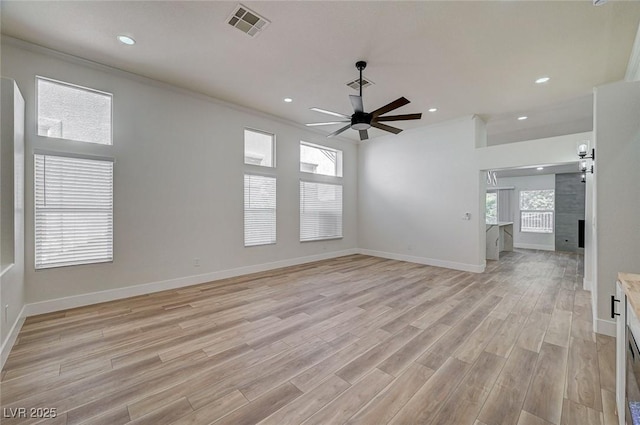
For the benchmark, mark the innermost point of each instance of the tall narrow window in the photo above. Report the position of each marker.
(537, 210)
(73, 211)
(320, 211)
(492, 208)
(320, 160)
(70, 112)
(259, 210)
(259, 148)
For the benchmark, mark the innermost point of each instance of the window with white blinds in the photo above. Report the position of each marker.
(259, 210)
(320, 211)
(73, 211)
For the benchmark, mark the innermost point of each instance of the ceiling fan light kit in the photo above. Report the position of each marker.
(361, 121)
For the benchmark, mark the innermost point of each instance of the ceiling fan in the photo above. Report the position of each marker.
(361, 120)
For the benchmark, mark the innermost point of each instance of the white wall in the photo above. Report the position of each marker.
(178, 191)
(616, 177)
(12, 280)
(414, 189)
(544, 241)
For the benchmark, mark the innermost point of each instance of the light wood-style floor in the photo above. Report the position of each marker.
(357, 340)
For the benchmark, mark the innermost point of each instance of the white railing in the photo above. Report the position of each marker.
(536, 221)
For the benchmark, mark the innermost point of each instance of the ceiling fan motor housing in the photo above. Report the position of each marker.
(361, 121)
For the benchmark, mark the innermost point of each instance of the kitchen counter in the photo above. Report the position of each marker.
(499, 238)
(631, 285)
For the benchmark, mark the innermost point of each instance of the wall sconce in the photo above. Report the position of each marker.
(584, 168)
(582, 152)
(583, 148)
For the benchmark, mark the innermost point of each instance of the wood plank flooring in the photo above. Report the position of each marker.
(353, 340)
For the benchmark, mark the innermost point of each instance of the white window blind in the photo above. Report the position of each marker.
(320, 211)
(72, 112)
(73, 211)
(259, 210)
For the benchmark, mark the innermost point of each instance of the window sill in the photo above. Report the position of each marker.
(333, 238)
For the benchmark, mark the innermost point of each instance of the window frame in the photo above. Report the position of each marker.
(35, 207)
(542, 211)
(77, 86)
(273, 148)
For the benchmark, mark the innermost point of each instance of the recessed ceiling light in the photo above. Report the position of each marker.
(433, 109)
(540, 168)
(542, 80)
(125, 39)
(288, 99)
(522, 118)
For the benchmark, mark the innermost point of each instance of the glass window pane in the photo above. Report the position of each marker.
(258, 148)
(320, 160)
(74, 113)
(492, 208)
(537, 200)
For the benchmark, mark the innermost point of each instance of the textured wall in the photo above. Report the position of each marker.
(570, 200)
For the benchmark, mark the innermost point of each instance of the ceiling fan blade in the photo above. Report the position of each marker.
(390, 106)
(356, 102)
(335, 133)
(335, 114)
(385, 127)
(315, 124)
(364, 135)
(399, 117)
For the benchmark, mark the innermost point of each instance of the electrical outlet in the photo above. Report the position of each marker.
(196, 262)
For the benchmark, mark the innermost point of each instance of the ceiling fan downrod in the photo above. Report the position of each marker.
(360, 65)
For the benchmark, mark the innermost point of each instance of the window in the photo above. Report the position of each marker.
(70, 112)
(259, 148)
(320, 160)
(320, 211)
(73, 211)
(259, 210)
(536, 211)
(492, 208)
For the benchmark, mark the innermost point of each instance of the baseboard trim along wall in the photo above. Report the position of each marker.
(8, 342)
(605, 327)
(534, 246)
(82, 300)
(475, 268)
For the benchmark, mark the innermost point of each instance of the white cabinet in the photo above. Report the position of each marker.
(621, 350)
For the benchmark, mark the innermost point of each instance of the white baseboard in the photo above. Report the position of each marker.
(8, 342)
(534, 246)
(475, 268)
(605, 327)
(586, 285)
(74, 301)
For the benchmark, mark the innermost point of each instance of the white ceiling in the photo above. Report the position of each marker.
(461, 57)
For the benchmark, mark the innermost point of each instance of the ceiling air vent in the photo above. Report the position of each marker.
(355, 84)
(247, 20)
